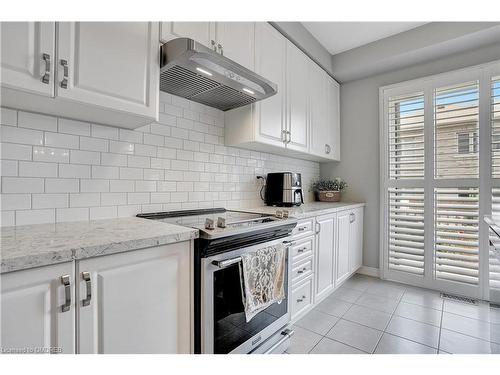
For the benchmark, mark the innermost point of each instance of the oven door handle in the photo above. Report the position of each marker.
(227, 262)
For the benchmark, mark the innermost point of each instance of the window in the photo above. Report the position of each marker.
(431, 180)
(467, 143)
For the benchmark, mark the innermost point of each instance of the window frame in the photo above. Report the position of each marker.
(482, 73)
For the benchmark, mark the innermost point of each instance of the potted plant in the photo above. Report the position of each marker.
(327, 190)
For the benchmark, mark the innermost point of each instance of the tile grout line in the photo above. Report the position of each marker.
(440, 326)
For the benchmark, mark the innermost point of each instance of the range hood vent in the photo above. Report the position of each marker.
(195, 72)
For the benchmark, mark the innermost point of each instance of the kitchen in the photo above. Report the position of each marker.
(202, 187)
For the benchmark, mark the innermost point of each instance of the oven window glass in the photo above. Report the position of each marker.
(230, 327)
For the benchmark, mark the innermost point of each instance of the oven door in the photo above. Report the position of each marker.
(223, 325)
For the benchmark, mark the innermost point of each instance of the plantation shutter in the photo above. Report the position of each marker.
(493, 260)
(406, 136)
(456, 129)
(406, 230)
(456, 232)
(495, 127)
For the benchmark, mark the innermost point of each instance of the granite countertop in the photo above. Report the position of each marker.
(308, 209)
(31, 246)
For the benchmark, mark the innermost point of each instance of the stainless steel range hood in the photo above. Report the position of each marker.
(195, 72)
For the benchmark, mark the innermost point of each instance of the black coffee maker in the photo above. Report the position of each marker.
(284, 189)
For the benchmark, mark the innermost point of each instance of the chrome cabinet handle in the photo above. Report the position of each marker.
(46, 76)
(301, 229)
(214, 46)
(88, 282)
(221, 50)
(352, 217)
(288, 243)
(65, 280)
(302, 270)
(283, 136)
(301, 299)
(64, 82)
(328, 149)
(318, 226)
(289, 136)
(302, 249)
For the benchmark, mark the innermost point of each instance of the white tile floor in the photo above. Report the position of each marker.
(369, 315)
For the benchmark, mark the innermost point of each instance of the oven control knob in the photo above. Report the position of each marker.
(221, 222)
(209, 224)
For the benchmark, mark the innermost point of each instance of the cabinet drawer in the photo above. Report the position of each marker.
(301, 271)
(302, 297)
(302, 249)
(303, 228)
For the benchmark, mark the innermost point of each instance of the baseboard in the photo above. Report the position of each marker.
(369, 271)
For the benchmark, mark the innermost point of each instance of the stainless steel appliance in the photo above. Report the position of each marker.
(284, 189)
(193, 71)
(220, 325)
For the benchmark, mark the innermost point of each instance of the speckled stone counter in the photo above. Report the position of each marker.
(308, 209)
(31, 246)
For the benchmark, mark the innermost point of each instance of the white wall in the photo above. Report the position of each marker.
(359, 133)
(56, 170)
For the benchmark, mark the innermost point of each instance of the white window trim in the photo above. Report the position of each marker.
(483, 73)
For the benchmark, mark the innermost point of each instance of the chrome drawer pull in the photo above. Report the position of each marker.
(301, 299)
(46, 76)
(64, 82)
(302, 270)
(288, 243)
(301, 229)
(88, 282)
(302, 249)
(67, 293)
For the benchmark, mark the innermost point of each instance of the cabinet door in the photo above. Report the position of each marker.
(297, 66)
(320, 132)
(27, 53)
(343, 238)
(110, 64)
(356, 240)
(238, 41)
(31, 309)
(140, 301)
(202, 32)
(270, 59)
(325, 278)
(333, 119)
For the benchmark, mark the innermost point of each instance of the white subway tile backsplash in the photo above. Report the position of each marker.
(50, 154)
(22, 185)
(73, 127)
(87, 171)
(8, 116)
(15, 202)
(62, 185)
(37, 169)
(36, 121)
(74, 171)
(72, 214)
(28, 217)
(62, 140)
(50, 200)
(20, 135)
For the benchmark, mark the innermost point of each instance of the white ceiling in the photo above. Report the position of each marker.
(338, 37)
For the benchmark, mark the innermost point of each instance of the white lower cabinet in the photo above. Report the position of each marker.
(327, 250)
(38, 311)
(134, 302)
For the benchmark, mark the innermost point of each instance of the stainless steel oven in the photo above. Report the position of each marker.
(223, 325)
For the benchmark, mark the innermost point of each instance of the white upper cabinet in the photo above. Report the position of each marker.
(202, 32)
(37, 308)
(27, 56)
(237, 41)
(108, 64)
(334, 118)
(297, 80)
(320, 132)
(136, 302)
(105, 72)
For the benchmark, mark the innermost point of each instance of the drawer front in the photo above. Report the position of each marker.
(302, 249)
(301, 271)
(302, 297)
(304, 228)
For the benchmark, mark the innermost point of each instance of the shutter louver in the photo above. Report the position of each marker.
(406, 136)
(494, 262)
(495, 127)
(406, 230)
(456, 254)
(456, 131)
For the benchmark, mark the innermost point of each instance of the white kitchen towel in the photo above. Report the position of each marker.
(262, 276)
